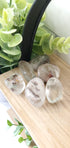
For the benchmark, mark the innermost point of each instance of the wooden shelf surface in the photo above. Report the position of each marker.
(49, 125)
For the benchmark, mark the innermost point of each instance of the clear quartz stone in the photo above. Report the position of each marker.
(27, 70)
(39, 60)
(15, 83)
(46, 71)
(35, 92)
(54, 90)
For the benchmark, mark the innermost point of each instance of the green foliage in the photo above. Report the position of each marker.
(4, 56)
(15, 40)
(19, 123)
(19, 128)
(12, 20)
(21, 139)
(9, 123)
(3, 4)
(20, 4)
(46, 42)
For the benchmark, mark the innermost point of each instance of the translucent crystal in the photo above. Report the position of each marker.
(36, 62)
(26, 70)
(46, 71)
(15, 83)
(35, 92)
(54, 90)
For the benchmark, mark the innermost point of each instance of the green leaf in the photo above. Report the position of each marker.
(28, 142)
(35, 147)
(67, 41)
(21, 131)
(9, 65)
(10, 3)
(18, 130)
(60, 41)
(9, 123)
(9, 32)
(41, 32)
(37, 49)
(3, 4)
(16, 57)
(21, 139)
(5, 56)
(5, 37)
(16, 40)
(54, 44)
(50, 42)
(43, 17)
(29, 137)
(44, 42)
(3, 62)
(7, 18)
(12, 51)
(18, 122)
(20, 3)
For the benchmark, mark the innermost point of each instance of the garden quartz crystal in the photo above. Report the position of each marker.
(46, 71)
(54, 90)
(39, 60)
(27, 70)
(35, 92)
(15, 83)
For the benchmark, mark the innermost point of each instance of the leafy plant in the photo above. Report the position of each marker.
(46, 42)
(19, 129)
(12, 20)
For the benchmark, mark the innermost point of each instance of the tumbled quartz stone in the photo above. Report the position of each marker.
(35, 92)
(15, 83)
(47, 71)
(27, 70)
(39, 60)
(54, 90)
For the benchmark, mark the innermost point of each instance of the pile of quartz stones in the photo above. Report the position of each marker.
(42, 81)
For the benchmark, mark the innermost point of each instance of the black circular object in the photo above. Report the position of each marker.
(30, 27)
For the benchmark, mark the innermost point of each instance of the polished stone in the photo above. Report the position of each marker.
(39, 60)
(15, 83)
(35, 92)
(54, 90)
(46, 71)
(27, 70)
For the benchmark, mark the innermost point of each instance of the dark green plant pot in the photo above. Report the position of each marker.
(31, 26)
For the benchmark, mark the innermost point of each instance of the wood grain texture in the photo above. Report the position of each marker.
(50, 125)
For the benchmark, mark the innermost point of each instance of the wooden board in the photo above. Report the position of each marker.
(50, 125)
